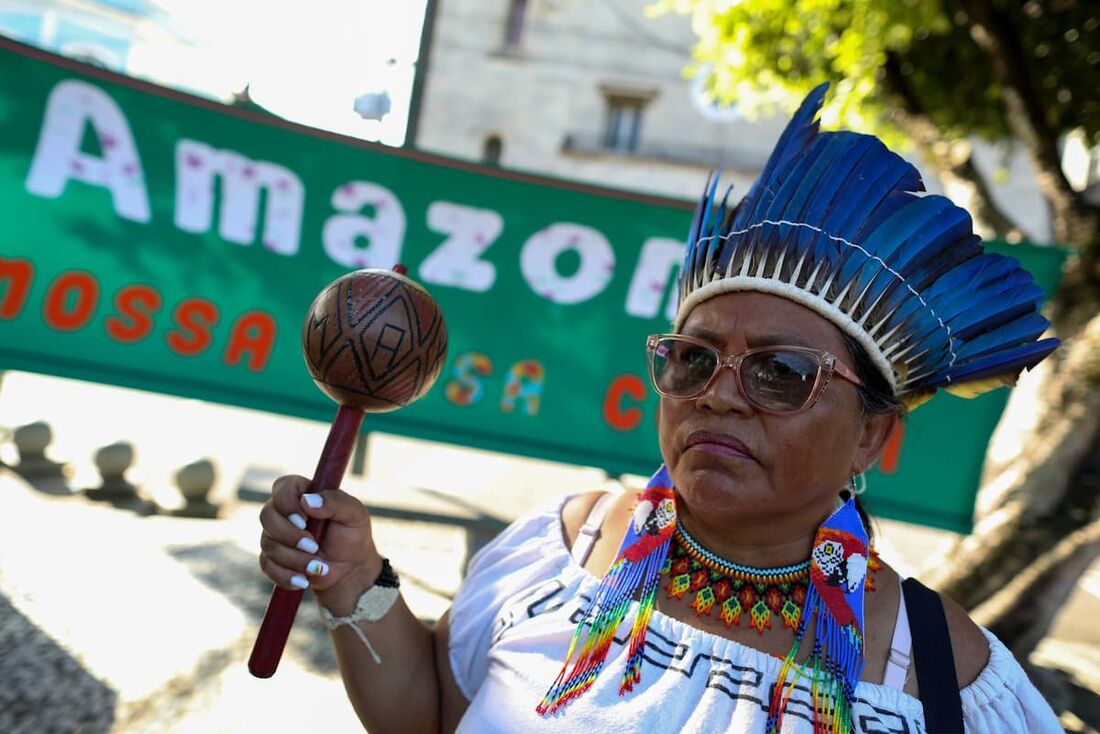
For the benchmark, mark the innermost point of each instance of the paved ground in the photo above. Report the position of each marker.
(112, 622)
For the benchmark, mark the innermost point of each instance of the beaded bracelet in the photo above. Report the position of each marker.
(371, 606)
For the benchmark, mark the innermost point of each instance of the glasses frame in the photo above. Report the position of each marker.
(827, 365)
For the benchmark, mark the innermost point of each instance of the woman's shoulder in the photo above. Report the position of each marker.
(968, 643)
(986, 671)
(996, 693)
(613, 518)
(575, 511)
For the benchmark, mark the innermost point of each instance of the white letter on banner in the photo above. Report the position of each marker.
(197, 164)
(383, 232)
(57, 159)
(540, 252)
(456, 262)
(660, 261)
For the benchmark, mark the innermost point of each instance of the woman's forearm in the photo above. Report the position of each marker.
(401, 692)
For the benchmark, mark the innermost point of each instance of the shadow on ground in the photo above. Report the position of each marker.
(45, 690)
(232, 572)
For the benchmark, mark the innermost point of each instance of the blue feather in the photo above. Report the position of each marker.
(961, 282)
(857, 200)
(1005, 362)
(800, 132)
(1000, 308)
(1011, 333)
(965, 247)
(699, 230)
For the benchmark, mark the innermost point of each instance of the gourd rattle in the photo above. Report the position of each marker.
(374, 341)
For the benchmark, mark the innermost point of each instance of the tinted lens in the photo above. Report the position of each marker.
(681, 368)
(779, 379)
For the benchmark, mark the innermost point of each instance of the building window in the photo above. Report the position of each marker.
(491, 150)
(623, 122)
(513, 28)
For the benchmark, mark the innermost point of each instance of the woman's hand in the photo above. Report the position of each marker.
(345, 559)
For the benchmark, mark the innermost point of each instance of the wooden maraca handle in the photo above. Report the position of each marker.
(374, 341)
(283, 606)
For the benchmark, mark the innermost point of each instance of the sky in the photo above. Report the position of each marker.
(306, 62)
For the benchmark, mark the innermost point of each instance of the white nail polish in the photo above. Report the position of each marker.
(309, 545)
(300, 581)
(317, 568)
(297, 521)
(313, 500)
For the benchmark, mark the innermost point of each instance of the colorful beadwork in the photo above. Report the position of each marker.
(839, 563)
(874, 565)
(693, 549)
(736, 589)
(635, 570)
(733, 588)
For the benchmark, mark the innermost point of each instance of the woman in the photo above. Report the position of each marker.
(752, 597)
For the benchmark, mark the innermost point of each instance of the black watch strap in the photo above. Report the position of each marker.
(388, 577)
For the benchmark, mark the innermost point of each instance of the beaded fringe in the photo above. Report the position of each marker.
(834, 601)
(637, 566)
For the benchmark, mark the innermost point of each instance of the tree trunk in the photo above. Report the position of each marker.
(1040, 486)
(1020, 611)
(954, 166)
(1073, 222)
(951, 159)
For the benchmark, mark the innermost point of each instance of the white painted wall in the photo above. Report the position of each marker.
(549, 88)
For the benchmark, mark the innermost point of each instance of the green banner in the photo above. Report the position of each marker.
(155, 240)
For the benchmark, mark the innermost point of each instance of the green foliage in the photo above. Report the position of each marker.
(761, 54)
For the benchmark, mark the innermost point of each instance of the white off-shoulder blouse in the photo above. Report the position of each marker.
(515, 613)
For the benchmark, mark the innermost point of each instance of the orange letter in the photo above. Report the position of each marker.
(892, 454)
(135, 305)
(619, 419)
(254, 332)
(194, 316)
(57, 310)
(17, 274)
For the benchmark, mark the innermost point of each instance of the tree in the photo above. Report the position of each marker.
(939, 73)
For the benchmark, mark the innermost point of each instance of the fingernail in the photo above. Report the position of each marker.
(298, 521)
(317, 568)
(309, 545)
(300, 581)
(313, 500)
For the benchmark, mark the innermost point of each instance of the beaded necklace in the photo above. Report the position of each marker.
(736, 588)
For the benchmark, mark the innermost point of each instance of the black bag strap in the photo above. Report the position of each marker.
(939, 687)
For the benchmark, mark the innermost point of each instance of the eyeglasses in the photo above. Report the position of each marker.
(774, 379)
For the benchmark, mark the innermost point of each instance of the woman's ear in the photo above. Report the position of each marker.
(877, 429)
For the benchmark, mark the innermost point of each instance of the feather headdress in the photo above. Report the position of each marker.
(838, 223)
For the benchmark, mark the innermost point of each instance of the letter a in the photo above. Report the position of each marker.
(58, 158)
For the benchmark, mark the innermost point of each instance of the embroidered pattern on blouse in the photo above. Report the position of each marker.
(735, 681)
